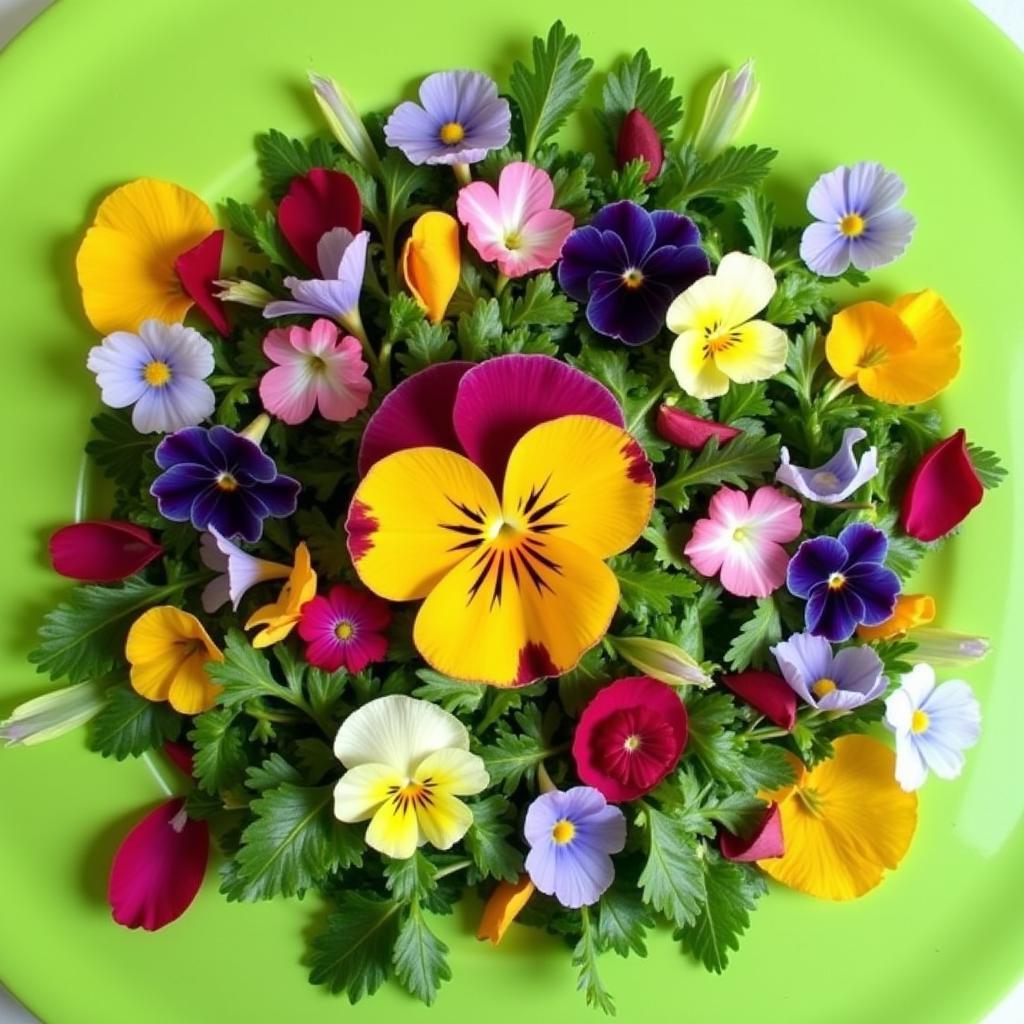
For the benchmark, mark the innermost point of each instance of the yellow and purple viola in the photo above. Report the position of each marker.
(494, 493)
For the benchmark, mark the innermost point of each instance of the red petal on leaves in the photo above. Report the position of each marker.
(102, 551)
(317, 202)
(689, 431)
(639, 139)
(180, 754)
(198, 269)
(943, 488)
(764, 842)
(767, 693)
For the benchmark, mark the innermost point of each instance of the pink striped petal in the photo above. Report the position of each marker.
(523, 192)
(479, 209)
(282, 345)
(540, 244)
(774, 515)
(289, 392)
(753, 569)
(102, 551)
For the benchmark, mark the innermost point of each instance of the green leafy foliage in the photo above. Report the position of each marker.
(638, 85)
(987, 465)
(743, 460)
(420, 957)
(584, 958)
(726, 176)
(119, 449)
(515, 756)
(220, 757)
(647, 588)
(671, 879)
(487, 843)
(281, 159)
(623, 921)
(259, 231)
(756, 635)
(128, 725)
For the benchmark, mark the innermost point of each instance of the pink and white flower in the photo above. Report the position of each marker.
(741, 540)
(314, 370)
(515, 226)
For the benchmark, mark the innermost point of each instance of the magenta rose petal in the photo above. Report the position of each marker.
(418, 413)
(315, 203)
(943, 489)
(764, 842)
(767, 693)
(158, 868)
(500, 400)
(198, 269)
(102, 551)
(685, 430)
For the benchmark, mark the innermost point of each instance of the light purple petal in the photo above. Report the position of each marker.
(871, 189)
(414, 131)
(499, 400)
(330, 251)
(319, 301)
(859, 670)
(542, 865)
(184, 350)
(885, 238)
(803, 659)
(215, 594)
(582, 874)
(836, 479)
(826, 200)
(184, 402)
(825, 249)
(541, 816)
(941, 752)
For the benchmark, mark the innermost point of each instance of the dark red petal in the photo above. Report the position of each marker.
(180, 754)
(764, 842)
(943, 488)
(159, 868)
(638, 139)
(102, 551)
(317, 202)
(766, 692)
(197, 270)
(689, 431)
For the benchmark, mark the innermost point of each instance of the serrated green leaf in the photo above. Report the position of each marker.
(584, 959)
(635, 84)
(798, 296)
(220, 758)
(743, 460)
(120, 450)
(480, 330)
(260, 233)
(426, 344)
(646, 588)
(410, 879)
(326, 542)
(756, 635)
(743, 401)
(623, 921)
(513, 757)
(726, 176)
(539, 305)
(245, 674)
(493, 856)
(758, 215)
(281, 159)
(671, 878)
(274, 771)
(987, 465)
(128, 725)
(420, 958)
(453, 695)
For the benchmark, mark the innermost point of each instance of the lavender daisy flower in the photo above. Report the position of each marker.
(628, 265)
(220, 480)
(934, 725)
(459, 119)
(857, 220)
(342, 259)
(160, 371)
(827, 681)
(844, 581)
(838, 478)
(572, 835)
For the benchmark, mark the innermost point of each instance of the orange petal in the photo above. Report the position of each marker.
(503, 907)
(911, 610)
(865, 334)
(430, 262)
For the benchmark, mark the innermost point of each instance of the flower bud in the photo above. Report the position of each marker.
(688, 431)
(660, 660)
(53, 714)
(943, 489)
(730, 104)
(431, 264)
(245, 293)
(945, 648)
(639, 140)
(344, 121)
(103, 551)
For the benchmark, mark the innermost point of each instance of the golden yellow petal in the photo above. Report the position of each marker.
(193, 691)
(911, 610)
(431, 264)
(503, 907)
(394, 830)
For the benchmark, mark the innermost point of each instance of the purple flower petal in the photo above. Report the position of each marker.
(673, 229)
(825, 249)
(279, 496)
(877, 588)
(837, 478)
(240, 455)
(859, 670)
(632, 223)
(585, 251)
(864, 543)
(418, 413)
(826, 200)
(676, 267)
(501, 399)
(632, 315)
(177, 488)
(833, 614)
(815, 560)
(803, 659)
(885, 239)
(871, 189)
(189, 445)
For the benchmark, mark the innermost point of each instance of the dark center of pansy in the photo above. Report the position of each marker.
(633, 278)
(452, 133)
(836, 581)
(226, 482)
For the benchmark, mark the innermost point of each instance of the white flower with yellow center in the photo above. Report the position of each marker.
(408, 762)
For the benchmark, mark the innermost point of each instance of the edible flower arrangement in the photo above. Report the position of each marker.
(519, 520)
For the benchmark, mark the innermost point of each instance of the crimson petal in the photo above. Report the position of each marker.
(943, 488)
(764, 842)
(180, 755)
(102, 551)
(688, 431)
(316, 203)
(159, 868)
(198, 269)
(639, 139)
(767, 693)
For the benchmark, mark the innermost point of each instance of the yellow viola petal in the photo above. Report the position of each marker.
(503, 907)
(928, 319)
(753, 351)
(430, 262)
(912, 610)
(125, 264)
(280, 617)
(394, 830)
(520, 610)
(454, 770)
(582, 479)
(699, 307)
(443, 819)
(414, 517)
(695, 370)
(361, 791)
(863, 335)
(153, 677)
(192, 690)
(845, 822)
(745, 285)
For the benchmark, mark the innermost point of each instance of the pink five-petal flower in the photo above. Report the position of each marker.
(345, 629)
(314, 370)
(159, 868)
(515, 226)
(741, 541)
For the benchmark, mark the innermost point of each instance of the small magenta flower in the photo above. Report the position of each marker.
(858, 220)
(315, 370)
(572, 835)
(934, 725)
(828, 681)
(836, 479)
(161, 371)
(515, 225)
(345, 629)
(844, 581)
(460, 118)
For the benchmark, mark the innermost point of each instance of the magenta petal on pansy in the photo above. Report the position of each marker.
(764, 842)
(500, 400)
(417, 414)
(158, 868)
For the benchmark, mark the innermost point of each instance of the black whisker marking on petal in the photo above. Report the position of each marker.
(544, 560)
(499, 581)
(547, 527)
(478, 583)
(534, 497)
(545, 509)
(471, 531)
(468, 544)
(476, 517)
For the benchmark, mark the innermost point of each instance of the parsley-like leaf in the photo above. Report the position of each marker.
(281, 159)
(756, 635)
(623, 921)
(671, 878)
(493, 856)
(420, 957)
(453, 695)
(220, 758)
(128, 725)
(637, 85)
(120, 450)
(744, 459)
(758, 214)
(584, 958)
(990, 470)
(646, 588)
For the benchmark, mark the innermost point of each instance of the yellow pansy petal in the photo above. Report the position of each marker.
(280, 617)
(519, 611)
(700, 306)
(192, 691)
(125, 264)
(152, 678)
(361, 790)
(456, 771)
(845, 822)
(503, 907)
(912, 610)
(694, 368)
(581, 479)
(414, 517)
(754, 351)
(745, 286)
(430, 262)
(929, 320)
(863, 335)
(394, 830)
(443, 819)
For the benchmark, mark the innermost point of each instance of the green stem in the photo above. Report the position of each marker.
(656, 392)
(764, 734)
(459, 865)
(390, 264)
(500, 284)
(284, 717)
(224, 381)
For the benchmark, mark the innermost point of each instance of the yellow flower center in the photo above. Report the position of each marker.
(836, 581)
(156, 374)
(632, 743)
(739, 534)
(852, 225)
(823, 687)
(632, 278)
(825, 481)
(919, 722)
(452, 133)
(563, 832)
(226, 482)
(513, 241)
(344, 630)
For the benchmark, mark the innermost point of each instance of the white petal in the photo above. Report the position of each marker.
(747, 285)
(911, 770)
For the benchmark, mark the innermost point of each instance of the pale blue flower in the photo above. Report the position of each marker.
(836, 479)
(829, 681)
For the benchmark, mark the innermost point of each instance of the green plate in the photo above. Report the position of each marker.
(97, 93)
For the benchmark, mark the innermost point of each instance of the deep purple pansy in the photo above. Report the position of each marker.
(217, 478)
(844, 581)
(628, 265)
